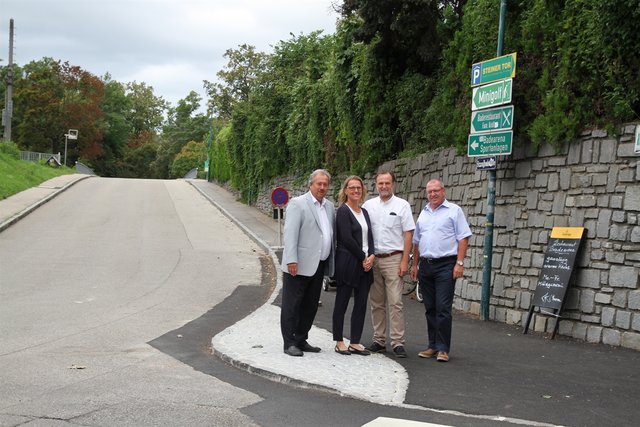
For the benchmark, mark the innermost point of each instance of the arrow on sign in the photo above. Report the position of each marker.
(489, 144)
(493, 119)
(491, 95)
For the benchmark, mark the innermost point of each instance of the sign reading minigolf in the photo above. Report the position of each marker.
(491, 95)
(502, 67)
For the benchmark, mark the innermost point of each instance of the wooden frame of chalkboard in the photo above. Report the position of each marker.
(556, 273)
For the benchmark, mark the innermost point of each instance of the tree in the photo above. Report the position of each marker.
(191, 156)
(115, 107)
(183, 124)
(146, 112)
(236, 80)
(37, 114)
(52, 98)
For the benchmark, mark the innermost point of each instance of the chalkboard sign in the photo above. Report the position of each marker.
(557, 270)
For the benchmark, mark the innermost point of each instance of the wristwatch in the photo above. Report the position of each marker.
(460, 263)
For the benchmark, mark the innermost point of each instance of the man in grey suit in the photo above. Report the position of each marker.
(307, 257)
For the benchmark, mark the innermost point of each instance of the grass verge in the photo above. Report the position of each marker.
(18, 175)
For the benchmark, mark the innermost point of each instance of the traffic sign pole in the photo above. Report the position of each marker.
(279, 198)
(491, 200)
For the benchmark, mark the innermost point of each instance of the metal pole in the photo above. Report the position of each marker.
(66, 136)
(8, 103)
(491, 200)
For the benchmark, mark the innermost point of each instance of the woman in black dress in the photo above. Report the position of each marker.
(354, 261)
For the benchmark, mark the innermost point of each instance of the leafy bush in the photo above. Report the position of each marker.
(10, 149)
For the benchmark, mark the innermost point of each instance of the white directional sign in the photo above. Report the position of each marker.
(500, 118)
(637, 147)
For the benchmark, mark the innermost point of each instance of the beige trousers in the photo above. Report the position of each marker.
(386, 295)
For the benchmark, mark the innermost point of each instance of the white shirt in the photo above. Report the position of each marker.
(389, 221)
(365, 230)
(325, 227)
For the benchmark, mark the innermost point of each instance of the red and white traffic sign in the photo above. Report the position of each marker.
(279, 196)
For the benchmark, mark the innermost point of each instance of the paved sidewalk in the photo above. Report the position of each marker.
(19, 205)
(255, 343)
(496, 374)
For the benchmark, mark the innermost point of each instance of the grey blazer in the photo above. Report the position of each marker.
(303, 236)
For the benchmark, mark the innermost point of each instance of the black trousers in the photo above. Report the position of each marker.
(300, 296)
(437, 285)
(360, 296)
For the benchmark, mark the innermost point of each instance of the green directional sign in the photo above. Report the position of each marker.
(502, 67)
(491, 95)
(494, 119)
(490, 144)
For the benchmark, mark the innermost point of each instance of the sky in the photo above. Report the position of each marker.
(171, 45)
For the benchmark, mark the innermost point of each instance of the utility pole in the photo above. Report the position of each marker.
(7, 113)
(491, 201)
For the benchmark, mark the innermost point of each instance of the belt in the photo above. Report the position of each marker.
(388, 255)
(439, 260)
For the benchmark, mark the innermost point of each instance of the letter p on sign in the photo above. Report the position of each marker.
(475, 74)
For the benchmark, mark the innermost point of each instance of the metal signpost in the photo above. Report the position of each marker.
(489, 135)
(279, 198)
(71, 134)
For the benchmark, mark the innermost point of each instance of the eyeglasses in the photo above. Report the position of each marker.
(354, 188)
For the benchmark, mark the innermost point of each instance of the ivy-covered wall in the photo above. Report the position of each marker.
(593, 182)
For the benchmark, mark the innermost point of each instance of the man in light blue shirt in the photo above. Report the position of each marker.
(440, 241)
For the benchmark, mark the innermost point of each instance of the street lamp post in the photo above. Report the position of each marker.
(71, 134)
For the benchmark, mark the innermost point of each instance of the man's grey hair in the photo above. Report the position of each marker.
(317, 172)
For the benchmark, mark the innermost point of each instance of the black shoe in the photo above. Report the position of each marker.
(376, 348)
(400, 352)
(294, 351)
(309, 348)
(363, 352)
(345, 352)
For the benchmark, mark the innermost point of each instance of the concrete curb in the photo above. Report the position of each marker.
(18, 216)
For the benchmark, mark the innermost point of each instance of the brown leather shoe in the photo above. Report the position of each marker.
(428, 353)
(443, 356)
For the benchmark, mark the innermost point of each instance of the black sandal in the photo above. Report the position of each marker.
(363, 352)
(345, 352)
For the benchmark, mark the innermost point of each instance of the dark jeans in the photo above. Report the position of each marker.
(437, 285)
(360, 296)
(300, 296)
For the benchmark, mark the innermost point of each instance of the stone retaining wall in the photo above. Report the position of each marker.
(592, 182)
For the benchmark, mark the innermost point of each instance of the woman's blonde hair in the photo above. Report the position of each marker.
(342, 196)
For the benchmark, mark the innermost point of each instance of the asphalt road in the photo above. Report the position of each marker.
(91, 277)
